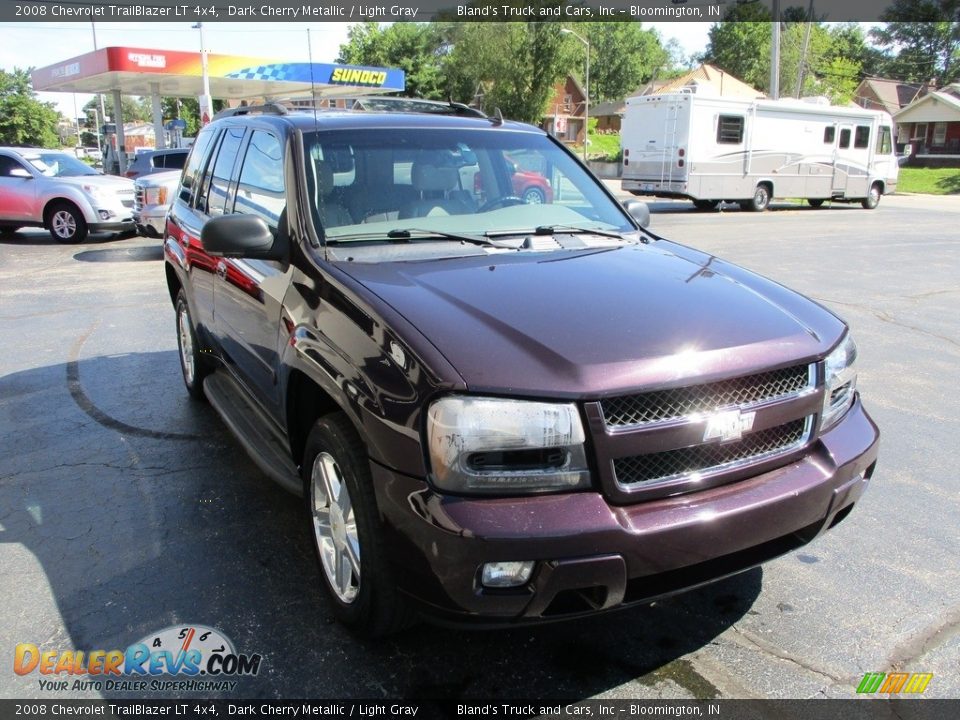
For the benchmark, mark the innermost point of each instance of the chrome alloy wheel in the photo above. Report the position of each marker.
(64, 224)
(335, 527)
(185, 333)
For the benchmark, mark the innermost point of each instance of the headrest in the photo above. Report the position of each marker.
(325, 178)
(432, 178)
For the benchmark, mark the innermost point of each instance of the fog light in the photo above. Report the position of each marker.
(104, 214)
(506, 574)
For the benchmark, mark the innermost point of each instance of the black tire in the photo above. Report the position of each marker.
(760, 200)
(66, 224)
(534, 196)
(873, 199)
(815, 202)
(704, 205)
(195, 365)
(368, 602)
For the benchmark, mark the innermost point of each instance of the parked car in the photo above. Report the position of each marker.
(147, 162)
(54, 190)
(152, 197)
(498, 413)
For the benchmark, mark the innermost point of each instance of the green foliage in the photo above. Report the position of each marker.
(416, 48)
(741, 44)
(623, 56)
(933, 181)
(24, 120)
(929, 47)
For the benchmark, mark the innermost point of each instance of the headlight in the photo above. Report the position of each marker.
(155, 196)
(841, 381)
(94, 191)
(494, 446)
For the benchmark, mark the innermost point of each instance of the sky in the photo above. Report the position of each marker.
(40, 44)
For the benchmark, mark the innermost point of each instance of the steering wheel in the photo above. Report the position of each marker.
(504, 201)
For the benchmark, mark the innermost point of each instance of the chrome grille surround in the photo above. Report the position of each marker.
(677, 404)
(700, 461)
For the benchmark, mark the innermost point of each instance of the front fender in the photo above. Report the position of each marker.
(71, 193)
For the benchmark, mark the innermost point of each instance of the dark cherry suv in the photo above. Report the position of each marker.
(498, 411)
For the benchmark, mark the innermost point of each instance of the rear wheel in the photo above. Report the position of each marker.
(706, 204)
(815, 202)
(66, 223)
(873, 199)
(759, 201)
(346, 530)
(193, 364)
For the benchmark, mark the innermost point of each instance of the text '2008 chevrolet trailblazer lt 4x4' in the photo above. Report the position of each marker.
(498, 411)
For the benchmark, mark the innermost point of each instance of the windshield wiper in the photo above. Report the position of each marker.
(407, 234)
(555, 229)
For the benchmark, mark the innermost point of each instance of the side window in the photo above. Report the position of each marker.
(8, 164)
(884, 145)
(195, 165)
(845, 138)
(174, 161)
(829, 134)
(730, 130)
(218, 194)
(862, 137)
(261, 188)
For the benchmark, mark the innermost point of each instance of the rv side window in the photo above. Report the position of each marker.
(862, 138)
(829, 133)
(884, 146)
(730, 130)
(845, 138)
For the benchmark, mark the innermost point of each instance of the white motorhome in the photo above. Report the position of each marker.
(713, 149)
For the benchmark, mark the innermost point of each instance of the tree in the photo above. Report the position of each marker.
(928, 46)
(133, 109)
(24, 120)
(741, 44)
(416, 48)
(623, 56)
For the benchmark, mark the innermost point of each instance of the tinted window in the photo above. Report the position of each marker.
(7, 164)
(220, 177)
(862, 138)
(829, 133)
(173, 161)
(730, 130)
(845, 138)
(261, 191)
(194, 171)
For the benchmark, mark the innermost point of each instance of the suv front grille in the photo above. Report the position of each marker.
(676, 403)
(672, 464)
(138, 199)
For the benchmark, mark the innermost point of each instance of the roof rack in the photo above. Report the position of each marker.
(267, 109)
(383, 103)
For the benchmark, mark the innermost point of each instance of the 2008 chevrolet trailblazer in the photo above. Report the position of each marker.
(498, 411)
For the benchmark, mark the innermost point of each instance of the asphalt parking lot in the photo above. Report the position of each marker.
(126, 508)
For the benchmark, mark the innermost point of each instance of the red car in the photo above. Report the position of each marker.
(532, 187)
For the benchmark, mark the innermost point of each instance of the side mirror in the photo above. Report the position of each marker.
(242, 236)
(21, 173)
(638, 211)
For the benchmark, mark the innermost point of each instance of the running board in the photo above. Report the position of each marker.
(252, 429)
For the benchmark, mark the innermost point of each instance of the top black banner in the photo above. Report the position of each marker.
(478, 10)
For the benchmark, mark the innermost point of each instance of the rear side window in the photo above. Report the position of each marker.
(829, 133)
(845, 138)
(261, 188)
(218, 194)
(730, 130)
(194, 171)
(173, 161)
(862, 137)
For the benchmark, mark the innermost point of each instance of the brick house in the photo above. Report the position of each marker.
(564, 115)
(931, 125)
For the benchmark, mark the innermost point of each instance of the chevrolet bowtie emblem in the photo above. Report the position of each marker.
(728, 425)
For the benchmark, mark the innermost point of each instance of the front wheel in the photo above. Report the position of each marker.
(873, 199)
(66, 223)
(345, 526)
(534, 196)
(193, 364)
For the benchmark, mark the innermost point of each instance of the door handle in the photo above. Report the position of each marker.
(222, 270)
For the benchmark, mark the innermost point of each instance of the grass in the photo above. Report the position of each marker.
(931, 181)
(602, 147)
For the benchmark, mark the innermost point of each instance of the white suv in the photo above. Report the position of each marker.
(54, 190)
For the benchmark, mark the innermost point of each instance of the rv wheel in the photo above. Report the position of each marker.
(873, 199)
(759, 201)
(706, 204)
(815, 202)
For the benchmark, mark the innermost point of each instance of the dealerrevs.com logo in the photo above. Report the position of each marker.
(178, 658)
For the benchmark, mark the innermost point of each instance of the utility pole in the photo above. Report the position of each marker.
(103, 111)
(586, 91)
(206, 106)
(775, 53)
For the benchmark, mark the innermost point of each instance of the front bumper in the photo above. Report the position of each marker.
(121, 226)
(151, 220)
(594, 556)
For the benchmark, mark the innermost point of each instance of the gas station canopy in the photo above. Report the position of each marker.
(170, 73)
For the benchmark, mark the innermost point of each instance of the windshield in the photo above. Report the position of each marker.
(54, 164)
(366, 184)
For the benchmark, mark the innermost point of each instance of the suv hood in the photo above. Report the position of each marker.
(110, 183)
(576, 324)
(170, 178)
